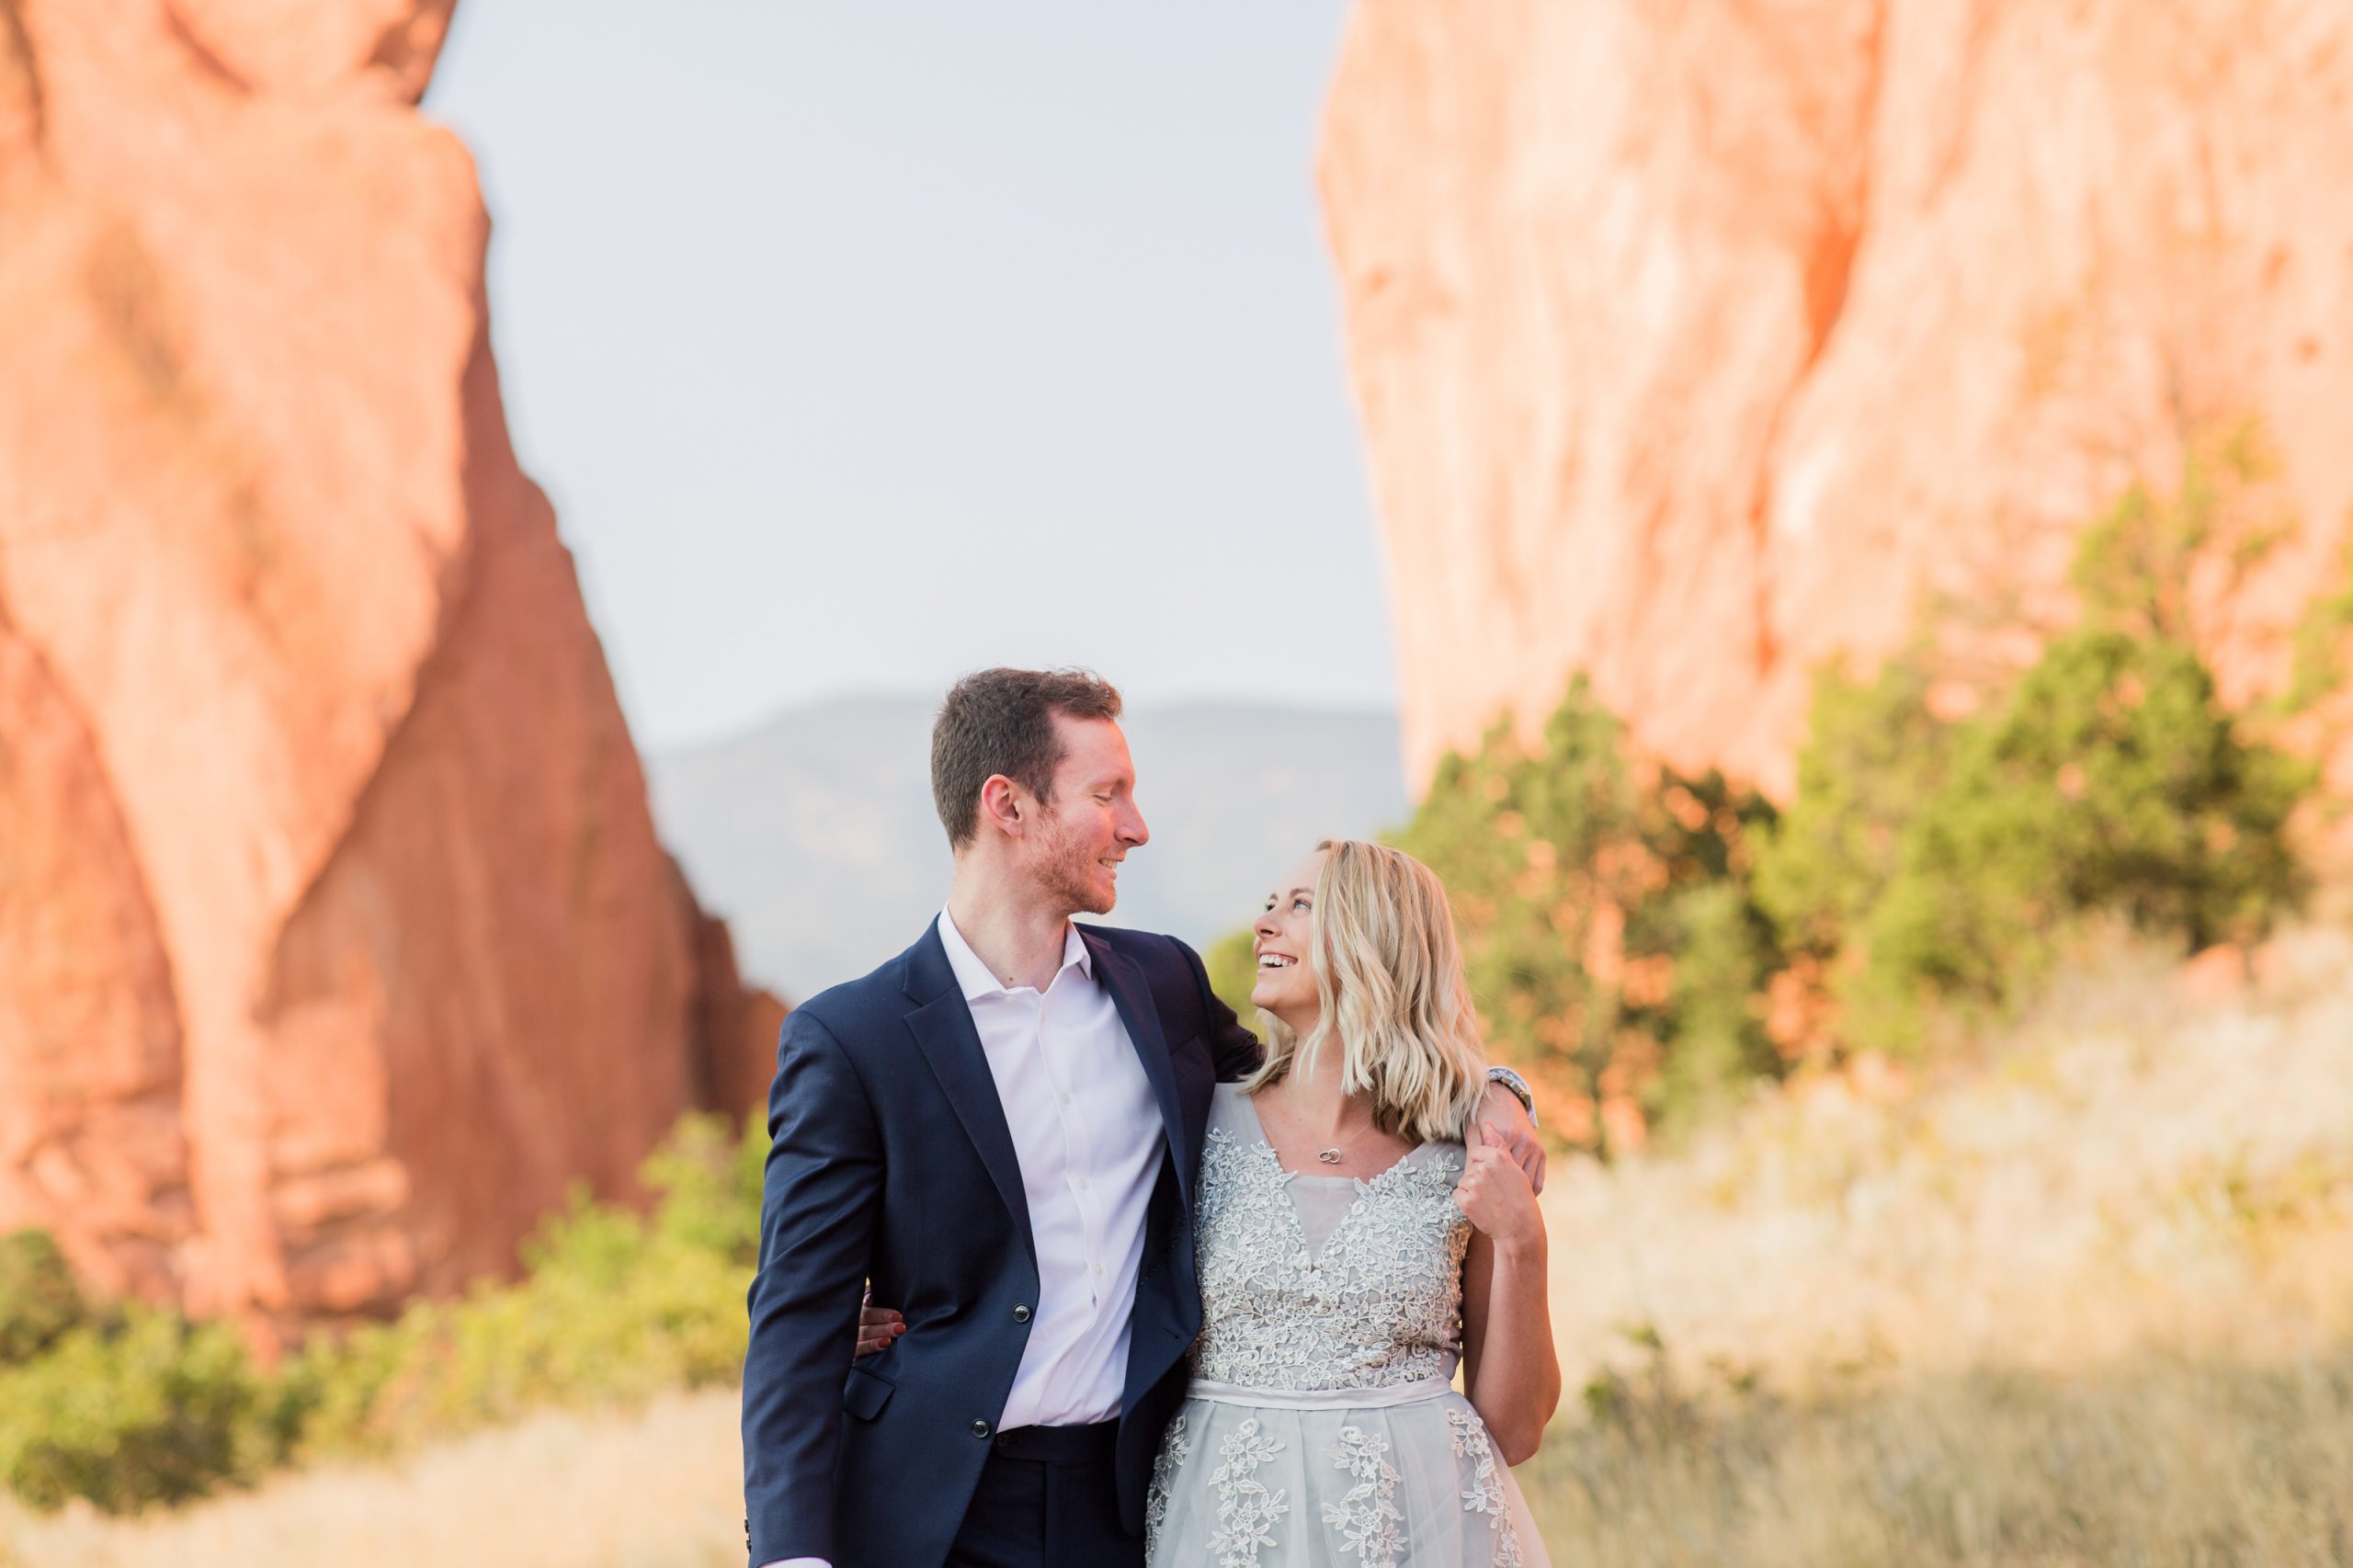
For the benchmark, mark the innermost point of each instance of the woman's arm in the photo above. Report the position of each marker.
(1509, 1371)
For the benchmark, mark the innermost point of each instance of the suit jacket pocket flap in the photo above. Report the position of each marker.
(866, 1393)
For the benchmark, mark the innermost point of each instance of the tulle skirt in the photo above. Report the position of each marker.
(1403, 1477)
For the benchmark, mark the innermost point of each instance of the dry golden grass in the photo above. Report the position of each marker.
(2087, 1300)
(2152, 1461)
(660, 1488)
(2129, 1170)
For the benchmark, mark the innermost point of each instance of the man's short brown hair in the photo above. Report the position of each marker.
(1002, 721)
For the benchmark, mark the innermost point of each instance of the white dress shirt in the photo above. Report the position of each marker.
(1088, 1136)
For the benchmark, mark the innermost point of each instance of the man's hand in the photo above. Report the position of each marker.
(1503, 1112)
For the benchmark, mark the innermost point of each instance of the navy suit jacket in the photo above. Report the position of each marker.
(890, 1161)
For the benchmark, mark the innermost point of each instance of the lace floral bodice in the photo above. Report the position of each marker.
(1312, 1282)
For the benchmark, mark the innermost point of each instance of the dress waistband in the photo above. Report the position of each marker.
(1321, 1399)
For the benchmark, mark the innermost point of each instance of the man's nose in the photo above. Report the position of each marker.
(1133, 831)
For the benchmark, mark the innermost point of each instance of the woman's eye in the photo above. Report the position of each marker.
(1297, 905)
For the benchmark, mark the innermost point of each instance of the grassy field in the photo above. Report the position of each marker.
(2085, 1300)
(656, 1488)
(2140, 1164)
(2152, 1460)
(2089, 1299)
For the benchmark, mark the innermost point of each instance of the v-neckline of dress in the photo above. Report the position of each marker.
(1311, 1257)
(1259, 1126)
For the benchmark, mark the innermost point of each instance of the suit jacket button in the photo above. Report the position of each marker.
(980, 1428)
(1021, 1315)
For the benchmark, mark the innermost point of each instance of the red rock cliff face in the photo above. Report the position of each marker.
(334, 939)
(1693, 342)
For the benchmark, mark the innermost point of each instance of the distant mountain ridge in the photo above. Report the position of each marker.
(813, 834)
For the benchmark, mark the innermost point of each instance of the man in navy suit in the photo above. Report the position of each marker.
(999, 1130)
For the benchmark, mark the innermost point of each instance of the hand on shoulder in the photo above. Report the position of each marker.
(1496, 1194)
(1502, 1114)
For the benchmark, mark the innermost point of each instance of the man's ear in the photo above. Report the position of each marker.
(1005, 806)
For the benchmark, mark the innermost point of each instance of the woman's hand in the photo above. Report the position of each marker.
(1501, 1113)
(878, 1328)
(1509, 1370)
(1496, 1195)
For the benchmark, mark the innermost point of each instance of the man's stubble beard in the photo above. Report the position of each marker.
(1068, 876)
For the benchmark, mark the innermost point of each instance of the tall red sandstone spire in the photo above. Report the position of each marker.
(1693, 342)
(334, 939)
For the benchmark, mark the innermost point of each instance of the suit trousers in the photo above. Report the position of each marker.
(1047, 1498)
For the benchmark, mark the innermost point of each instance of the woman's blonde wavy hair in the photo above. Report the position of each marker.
(1389, 974)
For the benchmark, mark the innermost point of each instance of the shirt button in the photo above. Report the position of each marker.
(1065, 1099)
(1098, 1268)
(1082, 1184)
(980, 1428)
(1021, 1315)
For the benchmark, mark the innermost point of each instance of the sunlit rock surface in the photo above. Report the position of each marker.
(1695, 343)
(334, 939)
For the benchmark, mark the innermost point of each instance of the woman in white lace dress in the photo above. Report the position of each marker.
(1352, 1254)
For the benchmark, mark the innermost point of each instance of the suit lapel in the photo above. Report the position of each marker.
(1132, 997)
(942, 1026)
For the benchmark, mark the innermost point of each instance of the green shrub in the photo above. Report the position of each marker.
(1718, 1043)
(144, 1408)
(1611, 941)
(1934, 864)
(2111, 780)
(39, 1301)
(1874, 754)
(709, 1179)
(614, 1307)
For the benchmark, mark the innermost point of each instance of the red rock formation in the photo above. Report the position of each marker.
(1693, 342)
(334, 939)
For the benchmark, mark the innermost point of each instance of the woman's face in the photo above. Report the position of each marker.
(1286, 982)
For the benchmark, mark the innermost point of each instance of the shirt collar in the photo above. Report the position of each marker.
(972, 976)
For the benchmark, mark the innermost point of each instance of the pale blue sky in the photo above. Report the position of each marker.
(859, 345)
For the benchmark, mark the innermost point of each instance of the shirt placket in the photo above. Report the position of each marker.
(1058, 1049)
